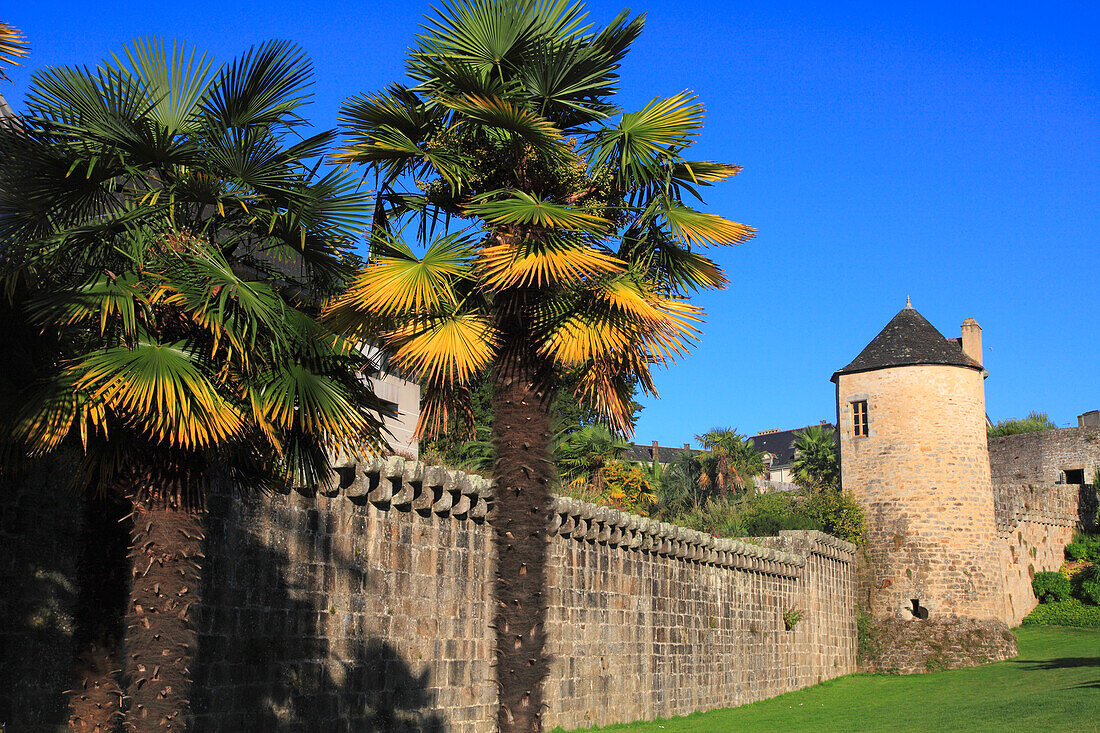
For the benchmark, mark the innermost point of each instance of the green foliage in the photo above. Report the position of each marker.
(837, 512)
(1071, 612)
(621, 485)
(1084, 547)
(583, 453)
(166, 233)
(1050, 587)
(816, 457)
(678, 489)
(1034, 422)
(1086, 584)
(763, 515)
(791, 617)
(868, 637)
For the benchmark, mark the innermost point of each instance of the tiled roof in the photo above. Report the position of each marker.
(781, 443)
(639, 453)
(909, 339)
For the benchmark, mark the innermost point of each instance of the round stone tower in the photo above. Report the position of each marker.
(912, 425)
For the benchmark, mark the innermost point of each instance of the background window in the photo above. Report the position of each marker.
(859, 419)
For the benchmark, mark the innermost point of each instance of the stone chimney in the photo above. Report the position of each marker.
(656, 453)
(972, 339)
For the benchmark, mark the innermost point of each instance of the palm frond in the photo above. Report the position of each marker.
(542, 260)
(520, 207)
(401, 282)
(445, 349)
(174, 90)
(13, 45)
(161, 389)
(695, 227)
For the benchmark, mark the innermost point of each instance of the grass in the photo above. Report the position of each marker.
(1053, 685)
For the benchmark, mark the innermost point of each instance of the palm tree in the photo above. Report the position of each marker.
(733, 461)
(170, 246)
(583, 453)
(556, 242)
(13, 45)
(816, 461)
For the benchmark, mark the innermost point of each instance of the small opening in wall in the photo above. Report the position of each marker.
(918, 610)
(1075, 475)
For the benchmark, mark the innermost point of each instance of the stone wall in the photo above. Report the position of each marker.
(367, 608)
(1036, 516)
(40, 522)
(1040, 458)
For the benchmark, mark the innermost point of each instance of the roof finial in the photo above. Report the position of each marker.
(907, 303)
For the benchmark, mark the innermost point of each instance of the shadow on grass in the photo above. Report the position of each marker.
(1059, 663)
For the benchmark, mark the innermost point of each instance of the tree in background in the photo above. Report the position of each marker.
(1035, 422)
(167, 243)
(13, 45)
(583, 454)
(731, 463)
(816, 457)
(569, 251)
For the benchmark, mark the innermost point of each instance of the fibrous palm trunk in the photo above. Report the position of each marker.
(160, 643)
(521, 432)
(95, 702)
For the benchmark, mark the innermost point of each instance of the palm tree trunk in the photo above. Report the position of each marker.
(165, 555)
(95, 702)
(524, 471)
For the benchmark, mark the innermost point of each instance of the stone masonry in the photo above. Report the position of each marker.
(1038, 513)
(366, 608)
(923, 476)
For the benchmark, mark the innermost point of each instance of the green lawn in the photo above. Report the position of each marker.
(1054, 685)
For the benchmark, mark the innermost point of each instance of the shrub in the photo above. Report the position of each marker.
(838, 513)
(1084, 547)
(1086, 585)
(1064, 613)
(1035, 422)
(1050, 587)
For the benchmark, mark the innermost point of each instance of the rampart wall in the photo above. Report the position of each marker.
(1037, 516)
(367, 608)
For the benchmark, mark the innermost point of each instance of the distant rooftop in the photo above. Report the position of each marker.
(780, 443)
(909, 339)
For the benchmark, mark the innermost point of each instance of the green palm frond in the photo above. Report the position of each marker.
(495, 112)
(522, 208)
(642, 142)
(101, 300)
(261, 89)
(174, 89)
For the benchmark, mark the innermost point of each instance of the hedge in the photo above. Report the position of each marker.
(1064, 613)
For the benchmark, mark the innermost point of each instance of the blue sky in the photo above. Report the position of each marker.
(945, 151)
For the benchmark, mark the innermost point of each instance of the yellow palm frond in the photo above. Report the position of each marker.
(446, 349)
(695, 227)
(399, 282)
(160, 390)
(13, 45)
(541, 261)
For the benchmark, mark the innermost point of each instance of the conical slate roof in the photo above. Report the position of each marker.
(908, 339)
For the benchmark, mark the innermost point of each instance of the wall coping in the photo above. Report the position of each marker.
(412, 485)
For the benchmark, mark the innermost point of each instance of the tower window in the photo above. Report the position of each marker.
(859, 419)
